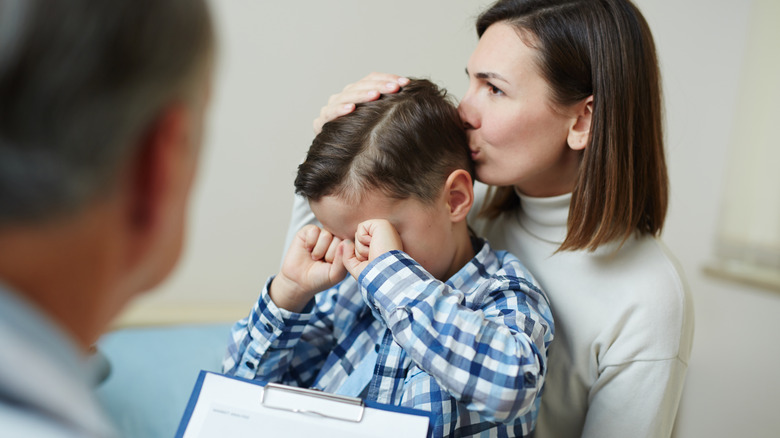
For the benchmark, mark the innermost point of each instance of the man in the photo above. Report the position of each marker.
(101, 109)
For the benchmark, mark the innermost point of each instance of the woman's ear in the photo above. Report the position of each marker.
(459, 192)
(579, 133)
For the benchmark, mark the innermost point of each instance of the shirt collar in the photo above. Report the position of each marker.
(483, 259)
(43, 368)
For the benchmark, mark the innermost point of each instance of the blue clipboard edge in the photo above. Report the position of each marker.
(187, 415)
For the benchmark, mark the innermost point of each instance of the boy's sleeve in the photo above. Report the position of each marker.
(492, 359)
(276, 345)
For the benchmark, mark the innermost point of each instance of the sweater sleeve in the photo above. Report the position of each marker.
(651, 388)
(276, 345)
(300, 216)
(491, 359)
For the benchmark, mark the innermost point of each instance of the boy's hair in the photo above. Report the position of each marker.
(404, 144)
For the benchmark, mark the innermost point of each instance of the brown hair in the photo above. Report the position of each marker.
(602, 48)
(404, 144)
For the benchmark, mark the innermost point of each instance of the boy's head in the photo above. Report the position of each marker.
(404, 158)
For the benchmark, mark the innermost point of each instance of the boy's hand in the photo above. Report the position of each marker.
(314, 263)
(373, 238)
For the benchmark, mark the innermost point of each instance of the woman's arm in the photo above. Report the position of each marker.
(301, 216)
(651, 414)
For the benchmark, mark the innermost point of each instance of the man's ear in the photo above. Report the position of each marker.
(579, 132)
(154, 174)
(459, 191)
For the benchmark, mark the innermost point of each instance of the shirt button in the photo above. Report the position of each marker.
(249, 365)
(269, 328)
(530, 379)
(376, 348)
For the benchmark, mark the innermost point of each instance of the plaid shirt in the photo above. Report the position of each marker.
(472, 350)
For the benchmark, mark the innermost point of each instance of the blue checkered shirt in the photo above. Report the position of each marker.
(472, 350)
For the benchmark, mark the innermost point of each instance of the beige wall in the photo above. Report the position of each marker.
(278, 64)
(280, 61)
(733, 388)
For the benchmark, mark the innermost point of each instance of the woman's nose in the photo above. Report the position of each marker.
(467, 112)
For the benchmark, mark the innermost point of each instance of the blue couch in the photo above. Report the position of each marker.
(151, 374)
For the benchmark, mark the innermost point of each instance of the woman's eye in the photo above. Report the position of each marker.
(494, 90)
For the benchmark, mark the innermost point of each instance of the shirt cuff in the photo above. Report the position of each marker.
(278, 326)
(390, 281)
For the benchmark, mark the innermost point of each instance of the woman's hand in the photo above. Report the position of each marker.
(373, 238)
(313, 264)
(365, 90)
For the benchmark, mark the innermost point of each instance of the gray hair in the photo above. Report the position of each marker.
(80, 81)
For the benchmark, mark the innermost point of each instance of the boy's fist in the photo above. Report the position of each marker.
(313, 263)
(373, 238)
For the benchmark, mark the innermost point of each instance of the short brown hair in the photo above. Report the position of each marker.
(405, 144)
(602, 48)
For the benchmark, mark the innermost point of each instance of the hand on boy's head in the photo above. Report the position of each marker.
(365, 90)
(313, 263)
(373, 238)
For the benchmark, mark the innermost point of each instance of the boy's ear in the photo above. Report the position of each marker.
(579, 133)
(459, 191)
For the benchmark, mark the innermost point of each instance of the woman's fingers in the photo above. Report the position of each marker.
(362, 87)
(379, 82)
(365, 90)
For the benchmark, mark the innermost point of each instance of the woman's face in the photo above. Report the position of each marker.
(515, 136)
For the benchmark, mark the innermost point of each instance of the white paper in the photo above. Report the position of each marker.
(229, 407)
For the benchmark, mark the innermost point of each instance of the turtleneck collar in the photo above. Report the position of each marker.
(545, 218)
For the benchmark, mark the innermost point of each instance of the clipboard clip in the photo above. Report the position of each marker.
(310, 402)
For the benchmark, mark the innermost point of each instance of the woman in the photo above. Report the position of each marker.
(563, 115)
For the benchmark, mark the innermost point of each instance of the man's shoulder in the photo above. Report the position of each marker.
(21, 422)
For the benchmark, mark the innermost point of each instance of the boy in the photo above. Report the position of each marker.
(430, 317)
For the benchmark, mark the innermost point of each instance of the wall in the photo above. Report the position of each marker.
(278, 64)
(732, 387)
(280, 61)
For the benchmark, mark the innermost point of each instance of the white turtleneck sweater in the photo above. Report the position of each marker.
(623, 324)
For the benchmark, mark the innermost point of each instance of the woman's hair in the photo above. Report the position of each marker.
(602, 48)
(404, 144)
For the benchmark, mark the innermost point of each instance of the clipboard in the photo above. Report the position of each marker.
(223, 405)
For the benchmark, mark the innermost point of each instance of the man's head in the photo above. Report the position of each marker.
(404, 158)
(81, 81)
(101, 111)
